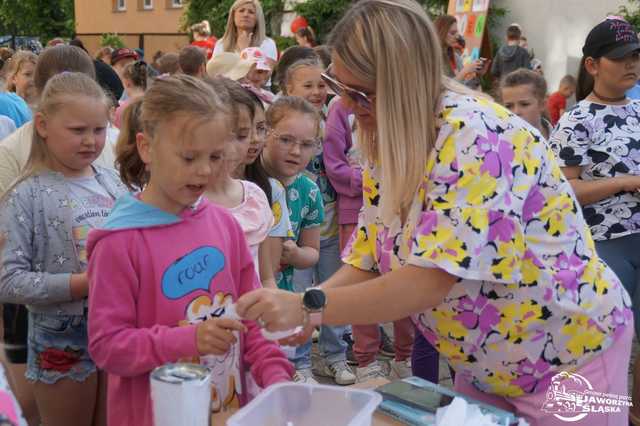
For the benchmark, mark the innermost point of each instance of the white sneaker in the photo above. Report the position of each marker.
(370, 372)
(402, 369)
(304, 376)
(338, 371)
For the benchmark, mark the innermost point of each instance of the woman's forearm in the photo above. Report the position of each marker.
(390, 297)
(348, 275)
(592, 191)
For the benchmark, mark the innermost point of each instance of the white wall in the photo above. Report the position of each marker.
(556, 29)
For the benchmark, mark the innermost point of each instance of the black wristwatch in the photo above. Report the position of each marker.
(313, 302)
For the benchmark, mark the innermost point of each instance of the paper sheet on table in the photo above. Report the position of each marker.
(459, 412)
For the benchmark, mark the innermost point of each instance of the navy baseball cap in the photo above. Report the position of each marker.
(613, 38)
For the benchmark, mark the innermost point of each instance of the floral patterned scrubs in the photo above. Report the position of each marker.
(495, 211)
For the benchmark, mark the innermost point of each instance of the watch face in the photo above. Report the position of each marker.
(314, 299)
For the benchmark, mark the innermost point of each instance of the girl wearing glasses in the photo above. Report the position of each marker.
(292, 141)
(252, 170)
(303, 79)
(468, 225)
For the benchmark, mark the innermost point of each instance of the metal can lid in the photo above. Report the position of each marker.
(180, 372)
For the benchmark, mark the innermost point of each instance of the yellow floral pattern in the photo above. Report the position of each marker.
(494, 210)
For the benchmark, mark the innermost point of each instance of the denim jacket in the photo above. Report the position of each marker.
(40, 255)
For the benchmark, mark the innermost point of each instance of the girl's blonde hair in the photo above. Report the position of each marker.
(371, 40)
(201, 28)
(230, 37)
(15, 64)
(291, 69)
(59, 90)
(167, 98)
(136, 72)
(288, 104)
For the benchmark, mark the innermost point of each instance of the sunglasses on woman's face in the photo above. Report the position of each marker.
(362, 99)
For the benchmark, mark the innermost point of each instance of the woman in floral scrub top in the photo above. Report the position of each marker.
(489, 251)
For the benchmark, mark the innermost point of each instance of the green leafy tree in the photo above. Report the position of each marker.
(111, 40)
(631, 13)
(323, 15)
(44, 19)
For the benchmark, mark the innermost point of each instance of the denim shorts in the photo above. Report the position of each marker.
(58, 348)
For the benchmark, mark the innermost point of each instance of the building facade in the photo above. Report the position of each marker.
(152, 25)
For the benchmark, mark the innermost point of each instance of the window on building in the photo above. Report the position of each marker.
(174, 4)
(121, 5)
(147, 4)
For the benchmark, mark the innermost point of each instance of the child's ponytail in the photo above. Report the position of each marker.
(585, 82)
(132, 170)
(136, 72)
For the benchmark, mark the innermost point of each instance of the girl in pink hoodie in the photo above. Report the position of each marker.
(167, 263)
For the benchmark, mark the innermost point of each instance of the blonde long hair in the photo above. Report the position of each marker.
(15, 64)
(230, 37)
(372, 40)
(59, 90)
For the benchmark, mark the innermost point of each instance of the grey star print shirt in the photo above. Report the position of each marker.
(40, 253)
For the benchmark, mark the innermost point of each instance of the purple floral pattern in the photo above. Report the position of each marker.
(495, 211)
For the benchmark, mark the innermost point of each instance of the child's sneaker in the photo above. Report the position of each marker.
(402, 369)
(386, 350)
(370, 372)
(304, 375)
(338, 371)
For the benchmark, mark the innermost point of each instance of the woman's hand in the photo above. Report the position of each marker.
(275, 310)
(469, 71)
(244, 39)
(215, 336)
(629, 183)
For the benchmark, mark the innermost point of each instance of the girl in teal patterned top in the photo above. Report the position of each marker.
(293, 139)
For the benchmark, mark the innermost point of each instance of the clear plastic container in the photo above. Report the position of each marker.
(298, 404)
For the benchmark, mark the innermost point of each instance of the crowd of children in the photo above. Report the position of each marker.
(135, 214)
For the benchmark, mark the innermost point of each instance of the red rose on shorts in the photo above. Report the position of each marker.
(59, 360)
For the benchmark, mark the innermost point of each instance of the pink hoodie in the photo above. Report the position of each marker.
(154, 276)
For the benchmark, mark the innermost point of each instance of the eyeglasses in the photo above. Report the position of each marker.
(261, 131)
(287, 142)
(362, 99)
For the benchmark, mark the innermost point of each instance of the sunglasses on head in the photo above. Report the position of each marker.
(362, 99)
